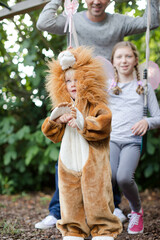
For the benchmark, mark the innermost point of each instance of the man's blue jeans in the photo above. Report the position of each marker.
(54, 206)
(117, 196)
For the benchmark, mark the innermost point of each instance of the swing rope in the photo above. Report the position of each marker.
(5, 5)
(70, 8)
(145, 74)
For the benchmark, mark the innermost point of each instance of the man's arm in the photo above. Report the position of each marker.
(139, 24)
(49, 20)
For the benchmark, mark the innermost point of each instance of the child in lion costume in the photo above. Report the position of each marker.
(81, 120)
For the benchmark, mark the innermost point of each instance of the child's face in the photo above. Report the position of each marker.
(124, 61)
(71, 83)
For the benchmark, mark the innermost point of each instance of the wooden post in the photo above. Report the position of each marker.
(22, 7)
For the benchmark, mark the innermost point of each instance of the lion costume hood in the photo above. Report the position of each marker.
(90, 77)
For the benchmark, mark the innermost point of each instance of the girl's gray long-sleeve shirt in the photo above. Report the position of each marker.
(101, 35)
(127, 109)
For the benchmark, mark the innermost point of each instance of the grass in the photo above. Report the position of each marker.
(9, 228)
(2, 205)
(19, 196)
(45, 200)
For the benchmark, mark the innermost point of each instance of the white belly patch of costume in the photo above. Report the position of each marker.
(74, 149)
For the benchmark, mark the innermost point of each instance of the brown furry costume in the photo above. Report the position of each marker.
(86, 197)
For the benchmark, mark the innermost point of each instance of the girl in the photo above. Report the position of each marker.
(128, 126)
(82, 122)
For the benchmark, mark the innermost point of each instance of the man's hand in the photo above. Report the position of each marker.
(140, 128)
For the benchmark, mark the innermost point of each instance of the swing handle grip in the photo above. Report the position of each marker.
(145, 74)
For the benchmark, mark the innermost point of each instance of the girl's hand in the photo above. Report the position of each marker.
(70, 47)
(63, 104)
(73, 112)
(140, 128)
(72, 123)
(64, 118)
(69, 118)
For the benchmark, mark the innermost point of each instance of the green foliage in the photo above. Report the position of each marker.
(27, 158)
(148, 173)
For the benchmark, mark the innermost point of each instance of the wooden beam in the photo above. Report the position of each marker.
(22, 7)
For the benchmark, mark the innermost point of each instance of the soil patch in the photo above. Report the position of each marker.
(19, 213)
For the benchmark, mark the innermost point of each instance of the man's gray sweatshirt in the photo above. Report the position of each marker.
(100, 35)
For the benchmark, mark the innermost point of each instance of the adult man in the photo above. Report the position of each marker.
(96, 28)
(101, 30)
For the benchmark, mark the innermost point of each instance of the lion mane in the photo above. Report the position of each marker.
(90, 76)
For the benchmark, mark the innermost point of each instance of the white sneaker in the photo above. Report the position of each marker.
(118, 213)
(72, 238)
(47, 222)
(102, 238)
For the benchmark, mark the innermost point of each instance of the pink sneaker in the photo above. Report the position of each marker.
(136, 222)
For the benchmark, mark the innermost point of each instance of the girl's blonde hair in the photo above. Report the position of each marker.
(69, 72)
(117, 90)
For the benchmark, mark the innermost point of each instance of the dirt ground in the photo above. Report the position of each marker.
(19, 213)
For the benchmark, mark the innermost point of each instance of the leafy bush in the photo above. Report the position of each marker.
(148, 171)
(27, 159)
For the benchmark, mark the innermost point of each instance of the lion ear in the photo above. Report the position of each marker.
(66, 59)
